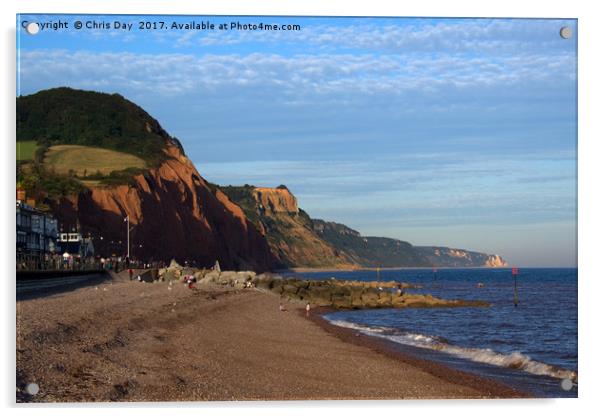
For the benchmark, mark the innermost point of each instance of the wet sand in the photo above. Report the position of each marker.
(131, 341)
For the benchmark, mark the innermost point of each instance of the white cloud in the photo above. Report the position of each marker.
(372, 35)
(289, 79)
(403, 35)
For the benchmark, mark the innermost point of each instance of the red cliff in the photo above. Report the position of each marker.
(276, 200)
(174, 213)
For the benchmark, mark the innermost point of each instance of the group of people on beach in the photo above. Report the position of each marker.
(282, 308)
(190, 280)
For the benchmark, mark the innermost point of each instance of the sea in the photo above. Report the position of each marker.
(530, 346)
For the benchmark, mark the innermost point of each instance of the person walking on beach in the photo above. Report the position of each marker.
(307, 307)
(131, 272)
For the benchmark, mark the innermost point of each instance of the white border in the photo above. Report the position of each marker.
(590, 208)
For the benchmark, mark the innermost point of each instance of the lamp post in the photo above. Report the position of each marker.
(127, 220)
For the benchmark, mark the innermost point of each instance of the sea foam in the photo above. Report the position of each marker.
(515, 360)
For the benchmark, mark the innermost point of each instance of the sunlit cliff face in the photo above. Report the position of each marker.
(276, 200)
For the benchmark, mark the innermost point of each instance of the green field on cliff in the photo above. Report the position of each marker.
(84, 161)
(26, 150)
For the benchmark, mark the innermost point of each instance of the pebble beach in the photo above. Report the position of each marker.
(132, 341)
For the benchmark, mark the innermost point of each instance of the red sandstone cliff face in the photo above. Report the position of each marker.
(174, 214)
(276, 200)
(290, 234)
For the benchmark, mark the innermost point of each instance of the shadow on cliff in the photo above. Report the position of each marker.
(170, 219)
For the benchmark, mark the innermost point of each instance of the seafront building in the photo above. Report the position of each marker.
(76, 244)
(37, 234)
(41, 246)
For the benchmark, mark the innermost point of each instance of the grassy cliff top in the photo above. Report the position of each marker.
(65, 116)
(84, 160)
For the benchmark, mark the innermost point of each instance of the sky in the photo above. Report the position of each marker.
(452, 132)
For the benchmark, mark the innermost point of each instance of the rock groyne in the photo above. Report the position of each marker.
(339, 294)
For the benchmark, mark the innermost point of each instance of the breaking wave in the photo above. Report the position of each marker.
(514, 360)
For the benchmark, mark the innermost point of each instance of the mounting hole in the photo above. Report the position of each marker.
(32, 389)
(566, 32)
(566, 384)
(32, 28)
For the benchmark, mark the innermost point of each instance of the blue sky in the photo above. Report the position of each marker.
(457, 132)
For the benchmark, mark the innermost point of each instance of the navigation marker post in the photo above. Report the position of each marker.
(514, 275)
(434, 276)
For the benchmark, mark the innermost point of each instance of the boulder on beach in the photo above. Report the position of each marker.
(262, 282)
(370, 299)
(341, 301)
(384, 299)
(356, 297)
(304, 294)
(210, 277)
(320, 295)
(168, 275)
(173, 265)
(398, 301)
(146, 276)
(276, 286)
(290, 289)
(227, 277)
(199, 274)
